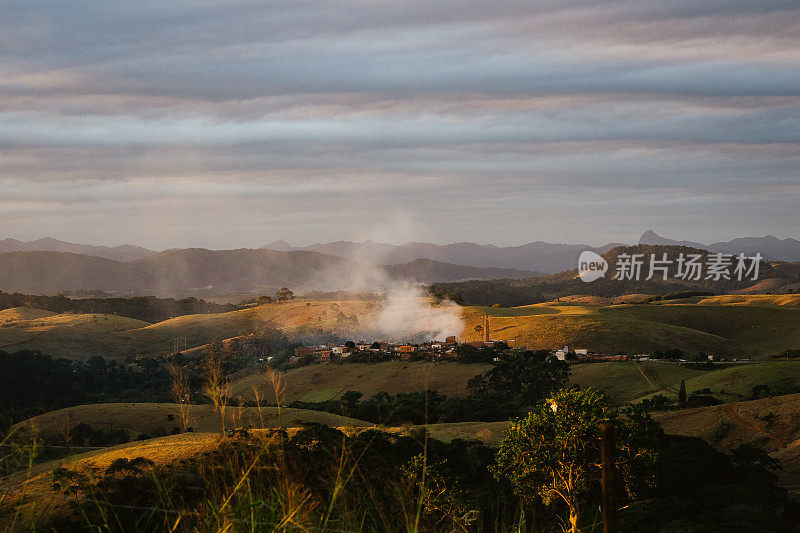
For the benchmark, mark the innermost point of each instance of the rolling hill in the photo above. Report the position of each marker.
(149, 418)
(84, 335)
(324, 382)
(740, 325)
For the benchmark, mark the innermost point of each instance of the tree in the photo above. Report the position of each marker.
(179, 390)
(351, 398)
(217, 351)
(554, 453)
(682, 393)
(454, 297)
(217, 387)
(284, 294)
(522, 377)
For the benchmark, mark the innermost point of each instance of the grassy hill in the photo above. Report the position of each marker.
(68, 335)
(145, 418)
(769, 423)
(324, 382)
(627, 382)
(772, 424)
(753, 328)
(630, 382)
(745, 326)
(84, 335)
(783, 377)
(18, 314)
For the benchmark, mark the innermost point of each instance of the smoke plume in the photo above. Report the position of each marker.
(406, 313)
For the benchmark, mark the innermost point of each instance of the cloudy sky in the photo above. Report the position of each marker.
(227, 124)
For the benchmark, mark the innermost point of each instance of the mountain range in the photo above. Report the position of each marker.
(50, 266)
(205, 273)
(539, 256)
(769, 247)
(125, 252)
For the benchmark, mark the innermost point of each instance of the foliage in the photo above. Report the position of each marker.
(701, 489)
(32, 383)
(147, 308)
(284, 294)
(318, 479)
(523, 378)
(553, 454)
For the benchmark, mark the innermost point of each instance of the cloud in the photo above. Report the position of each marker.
(485, 120)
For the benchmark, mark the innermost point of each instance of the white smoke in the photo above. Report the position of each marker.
(406, 313)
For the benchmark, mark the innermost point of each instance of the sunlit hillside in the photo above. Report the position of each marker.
(743, 326)
(739, 325)
(84, 335)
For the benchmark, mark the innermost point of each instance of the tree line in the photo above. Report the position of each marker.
(147, 308)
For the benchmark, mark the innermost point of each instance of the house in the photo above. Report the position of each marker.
(406, 350)
(303, 350)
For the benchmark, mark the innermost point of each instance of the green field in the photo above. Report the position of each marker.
(753, 330)
(627, 382)
(324, 382)
(783, 377)
(630, 382)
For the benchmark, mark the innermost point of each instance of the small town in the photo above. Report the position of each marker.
(447, 349)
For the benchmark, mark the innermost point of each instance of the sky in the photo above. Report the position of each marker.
(231, 124)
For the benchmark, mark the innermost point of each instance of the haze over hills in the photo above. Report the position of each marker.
(203, 273)
(769, 247)
(50, 266)
(539, 256)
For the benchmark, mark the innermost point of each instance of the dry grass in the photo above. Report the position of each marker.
(16, 314)
(758, 300)
(84, 335)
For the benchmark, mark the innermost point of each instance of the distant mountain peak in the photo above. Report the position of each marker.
(279, 246)
(652, 238)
